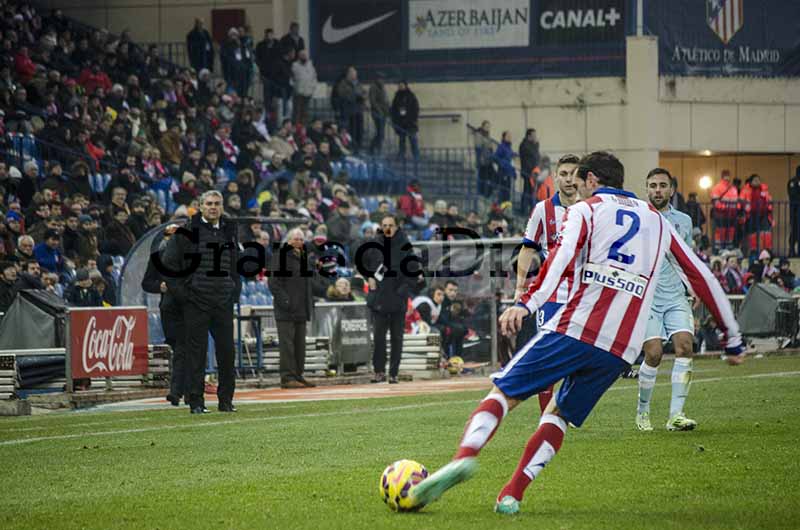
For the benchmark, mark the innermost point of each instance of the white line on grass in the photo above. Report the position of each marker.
(21, 441)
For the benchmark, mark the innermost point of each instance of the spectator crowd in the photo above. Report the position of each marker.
(102, 141)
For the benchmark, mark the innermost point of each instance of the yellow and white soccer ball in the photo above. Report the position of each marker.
(396, 482)
(455, 365)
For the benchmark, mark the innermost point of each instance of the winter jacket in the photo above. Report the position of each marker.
(49, 258)
(200, 48)
(290, 285)
(201, 289)
(725, 200)
(77, 296)
(400, 273)
(405, 111)
(411, 204)
(503, 156)
(304, 78)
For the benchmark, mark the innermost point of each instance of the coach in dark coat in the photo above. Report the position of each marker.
(290, 284)
(207, 299)
(393, 274)
(171, 320)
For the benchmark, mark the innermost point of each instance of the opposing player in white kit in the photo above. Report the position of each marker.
(541, 237)
(670, 317)
(618, 243)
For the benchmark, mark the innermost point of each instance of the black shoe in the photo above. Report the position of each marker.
(174, 400)
(199, 410)
(393, 380)
(379, 378)
(226, 407)
(306, 383)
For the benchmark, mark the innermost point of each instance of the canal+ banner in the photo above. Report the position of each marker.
(441, 40)
(758, 38)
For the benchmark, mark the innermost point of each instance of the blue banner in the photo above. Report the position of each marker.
(454, 40)
(758, 38)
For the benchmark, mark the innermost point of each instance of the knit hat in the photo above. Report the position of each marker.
(81, 275)
(188, 177)
(764, 255)
(14, 173)
(13, 216)
(85, 218)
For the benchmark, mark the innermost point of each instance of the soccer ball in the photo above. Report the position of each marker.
(396, 481)
(455, 365)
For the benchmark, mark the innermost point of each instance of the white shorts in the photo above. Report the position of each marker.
(666, 321)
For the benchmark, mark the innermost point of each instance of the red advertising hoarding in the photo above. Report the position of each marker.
(107, 342)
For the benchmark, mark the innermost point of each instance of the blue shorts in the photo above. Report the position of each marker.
(665, 321)
(546, 312)
(548, 358)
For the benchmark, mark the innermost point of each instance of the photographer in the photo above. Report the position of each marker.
(393, 271)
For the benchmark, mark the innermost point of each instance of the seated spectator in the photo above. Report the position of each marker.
(339, 225)
(8, 280)
(340, 291)
(412, 206)
(30, 277)
(188, 190)
(82, 293)
(117, 238)
(429, 307)
(732, 274)
(452, 322)
(440, 217)
(48, 253)
(786, 273)
(762, 270)
(24, 252)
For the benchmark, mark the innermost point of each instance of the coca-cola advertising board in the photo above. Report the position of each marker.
(107, 342)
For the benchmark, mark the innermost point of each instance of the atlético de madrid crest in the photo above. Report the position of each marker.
(725, 17)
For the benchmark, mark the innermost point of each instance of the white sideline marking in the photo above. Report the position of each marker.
(21, 441)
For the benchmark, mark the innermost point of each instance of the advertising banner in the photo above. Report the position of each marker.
(355, 335)
(726, 37)
(457, 40)
(465, 24)
(107, 342)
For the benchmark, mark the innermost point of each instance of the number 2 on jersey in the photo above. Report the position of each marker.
(614, 252)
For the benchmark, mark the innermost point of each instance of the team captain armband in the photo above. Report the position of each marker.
(617, 279)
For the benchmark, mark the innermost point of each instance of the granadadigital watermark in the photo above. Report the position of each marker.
(254, 259)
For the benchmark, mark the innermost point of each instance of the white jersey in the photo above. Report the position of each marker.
(616, 244)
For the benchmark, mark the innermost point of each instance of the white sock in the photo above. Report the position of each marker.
(681, 379)
(647, 380)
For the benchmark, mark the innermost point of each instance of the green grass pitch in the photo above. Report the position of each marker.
(317, 465)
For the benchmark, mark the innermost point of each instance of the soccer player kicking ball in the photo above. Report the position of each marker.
(670, 317)
(619, 244)
(541, 237)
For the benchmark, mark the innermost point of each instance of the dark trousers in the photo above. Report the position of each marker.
(376, 146)
(395, 324)
(292, 346)
(199, 321)
(175, 334)
(412, 138)
(794, 229)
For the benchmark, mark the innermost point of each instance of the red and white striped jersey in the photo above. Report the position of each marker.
(541, 233)
(615, 244)
(544, 224)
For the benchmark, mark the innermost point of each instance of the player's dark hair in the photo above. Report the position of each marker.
(609, 170)
(659, 171)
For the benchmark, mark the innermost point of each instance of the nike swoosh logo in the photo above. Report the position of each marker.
(333, 35)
